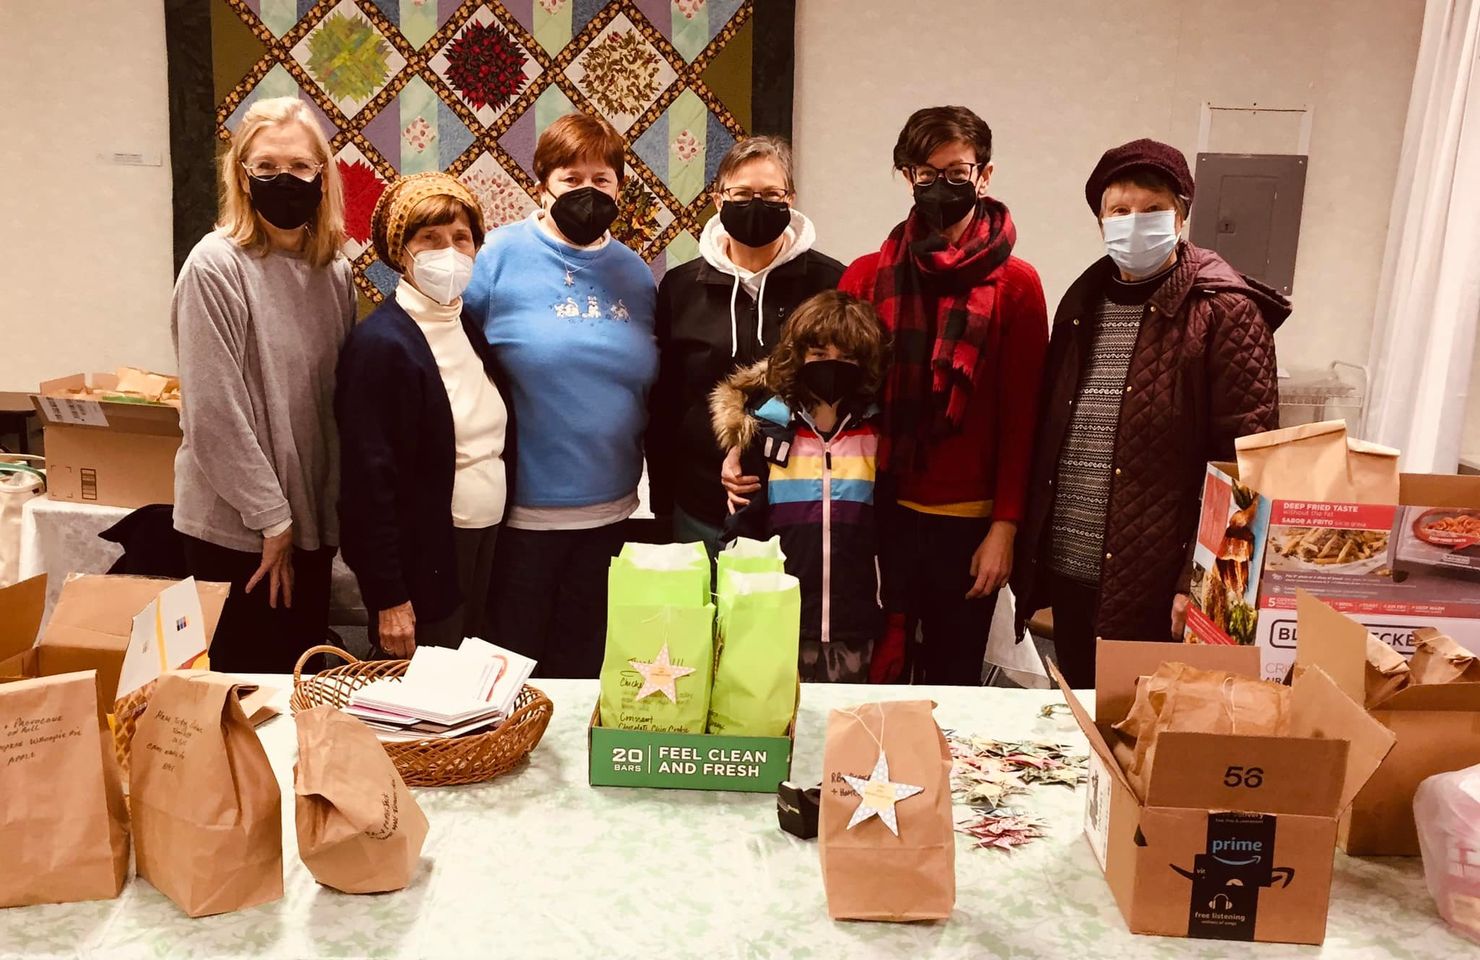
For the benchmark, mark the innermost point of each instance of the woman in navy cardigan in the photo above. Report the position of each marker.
(424, 429)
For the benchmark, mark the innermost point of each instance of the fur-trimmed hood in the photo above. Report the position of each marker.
(730, 403)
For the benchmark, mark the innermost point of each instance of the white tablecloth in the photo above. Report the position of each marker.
(539, 864)
(60, 538)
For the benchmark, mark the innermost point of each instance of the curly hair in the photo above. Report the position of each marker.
(828, 319)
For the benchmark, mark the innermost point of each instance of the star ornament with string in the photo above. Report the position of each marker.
(878, 795)
(661, 675)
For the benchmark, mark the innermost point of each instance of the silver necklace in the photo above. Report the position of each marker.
(570, 272)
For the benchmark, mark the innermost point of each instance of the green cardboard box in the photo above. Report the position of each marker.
(688, 761)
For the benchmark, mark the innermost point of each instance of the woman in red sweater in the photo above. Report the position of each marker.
(969, 329)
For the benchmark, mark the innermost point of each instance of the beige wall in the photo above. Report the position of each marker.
(1059, 83)
(85, 269)
(1470, 443)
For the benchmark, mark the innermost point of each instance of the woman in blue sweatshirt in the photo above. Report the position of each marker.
(569, 313)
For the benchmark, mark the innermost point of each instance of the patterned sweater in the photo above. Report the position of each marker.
(1087, 461)
(817, 495)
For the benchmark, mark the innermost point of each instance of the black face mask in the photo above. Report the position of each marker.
(831, 380)
(943, 204)
(583, 215)
(285, 201)
(756, 222)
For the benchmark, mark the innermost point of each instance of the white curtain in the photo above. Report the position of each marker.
(1428, 303)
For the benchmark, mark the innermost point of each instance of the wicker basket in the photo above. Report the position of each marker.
(432, 762)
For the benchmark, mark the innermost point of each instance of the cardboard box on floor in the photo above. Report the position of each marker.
(1402, 577)
(1236, 835)
(118, 453)
(89, 627)
(1437, 728)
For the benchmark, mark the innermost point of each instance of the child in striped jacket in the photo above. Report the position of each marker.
(806, 423)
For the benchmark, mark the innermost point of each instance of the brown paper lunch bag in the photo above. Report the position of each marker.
(1386, 672)
(208, 830)
(359, 828)
(1304, 462)
(868, 872)
(1438, 658)
(1205, 701)
(63, 824)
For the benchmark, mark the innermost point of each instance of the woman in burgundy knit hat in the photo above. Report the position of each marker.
(969, 329)
(1161, 356)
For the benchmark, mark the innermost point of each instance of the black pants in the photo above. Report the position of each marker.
(548, 599)
(927, 569)
(253, 636)
(474, 550)
(1074, 605)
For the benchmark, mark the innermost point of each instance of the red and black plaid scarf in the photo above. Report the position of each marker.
(938, 303)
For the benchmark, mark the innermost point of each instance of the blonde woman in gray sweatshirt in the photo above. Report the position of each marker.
(260, 310)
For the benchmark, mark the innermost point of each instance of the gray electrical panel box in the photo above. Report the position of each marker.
(1247, 208)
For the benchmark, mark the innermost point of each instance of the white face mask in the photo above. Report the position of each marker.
(442, 274)
(1139, 243)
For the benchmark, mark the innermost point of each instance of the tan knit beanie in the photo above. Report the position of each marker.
(394, 208)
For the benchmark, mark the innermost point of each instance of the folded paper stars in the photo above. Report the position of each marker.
(661, 675)
(1001, 830)
(987, 774)
(879, 795)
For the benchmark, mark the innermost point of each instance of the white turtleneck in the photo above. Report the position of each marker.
(479, 417)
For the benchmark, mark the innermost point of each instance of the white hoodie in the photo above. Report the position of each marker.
(713, 247)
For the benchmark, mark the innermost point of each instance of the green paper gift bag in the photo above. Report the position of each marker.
(750, 556)
(657, 669)
(755, 679)
(649, 574)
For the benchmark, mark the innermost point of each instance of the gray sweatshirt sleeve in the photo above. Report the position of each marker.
(210, 321)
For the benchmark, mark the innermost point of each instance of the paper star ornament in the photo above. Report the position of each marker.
(878, 795)
(661, 675)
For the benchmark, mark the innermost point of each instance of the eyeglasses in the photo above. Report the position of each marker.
(745, 195)
(266, 169)
(923, 174)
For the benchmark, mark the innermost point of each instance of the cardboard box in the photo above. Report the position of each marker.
(119, 453)
(687, 761)
(1396, 580)
(1437, 727)
(89, 627)
(1236, 835)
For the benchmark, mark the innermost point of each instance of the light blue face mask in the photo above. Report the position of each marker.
(1140, 243)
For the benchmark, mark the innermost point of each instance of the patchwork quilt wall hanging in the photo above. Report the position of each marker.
(466, 86)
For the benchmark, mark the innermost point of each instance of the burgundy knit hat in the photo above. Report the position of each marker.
(1144, 154)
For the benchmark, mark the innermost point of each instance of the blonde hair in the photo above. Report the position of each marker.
(239, 219)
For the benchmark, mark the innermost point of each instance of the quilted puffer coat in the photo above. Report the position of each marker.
(1202, 375)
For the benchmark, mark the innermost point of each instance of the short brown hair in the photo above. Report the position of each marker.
(828, 319)
(930, 128)
(576, 137)
(755, 148)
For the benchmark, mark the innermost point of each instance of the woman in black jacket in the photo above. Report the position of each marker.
(721, 312)
(424, 429)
